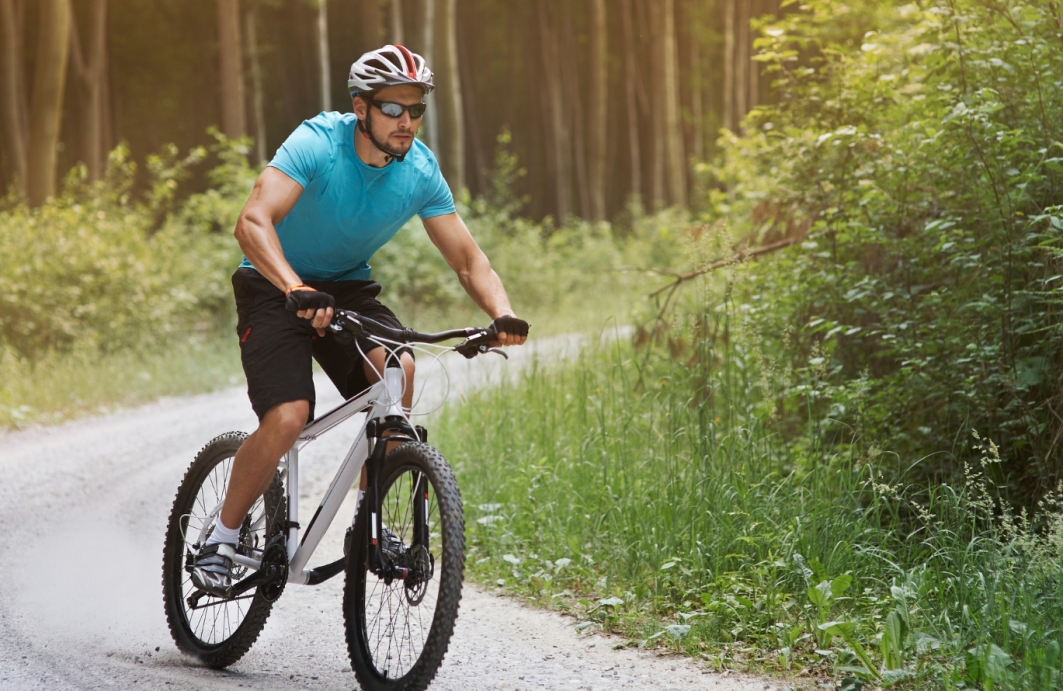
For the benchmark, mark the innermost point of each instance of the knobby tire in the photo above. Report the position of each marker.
(375, 614)
(216, 643)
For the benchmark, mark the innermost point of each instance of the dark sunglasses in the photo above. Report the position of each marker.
(394, 110)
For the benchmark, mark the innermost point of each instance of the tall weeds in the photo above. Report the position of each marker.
(654, 495)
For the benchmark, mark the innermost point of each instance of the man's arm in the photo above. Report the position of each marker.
(456, 244)
(272, 198)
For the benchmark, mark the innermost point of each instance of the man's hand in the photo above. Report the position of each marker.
(311, 304)
(509, 331)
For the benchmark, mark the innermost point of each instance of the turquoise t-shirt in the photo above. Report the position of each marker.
(348, 210)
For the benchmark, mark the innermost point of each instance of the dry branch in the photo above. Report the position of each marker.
(739, 256)
(681, 278)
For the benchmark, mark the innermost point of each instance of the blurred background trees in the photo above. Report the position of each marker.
(914, 175)
(606, 101)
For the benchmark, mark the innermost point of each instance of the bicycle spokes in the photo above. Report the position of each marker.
(400, 599)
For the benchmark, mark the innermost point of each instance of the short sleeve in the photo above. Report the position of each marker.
(438, 199)
(305, 153)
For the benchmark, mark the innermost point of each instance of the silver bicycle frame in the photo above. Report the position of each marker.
(383, 399)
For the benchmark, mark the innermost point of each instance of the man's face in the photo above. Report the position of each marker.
(396, 134)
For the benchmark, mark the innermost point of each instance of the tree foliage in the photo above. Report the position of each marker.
(101, 269)
(927, 164)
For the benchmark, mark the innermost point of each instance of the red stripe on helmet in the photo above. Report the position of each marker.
(407, 57)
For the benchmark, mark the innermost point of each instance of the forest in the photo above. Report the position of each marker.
(832, 449)
(605, 101)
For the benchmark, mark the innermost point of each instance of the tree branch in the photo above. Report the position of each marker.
(736, 258)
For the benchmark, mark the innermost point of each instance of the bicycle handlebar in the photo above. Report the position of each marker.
(477, 340)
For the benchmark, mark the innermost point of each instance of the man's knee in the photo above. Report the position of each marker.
(287, 419)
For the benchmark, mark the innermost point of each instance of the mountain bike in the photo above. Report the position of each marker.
(404, 553)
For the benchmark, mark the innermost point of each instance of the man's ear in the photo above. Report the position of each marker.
(358, 105)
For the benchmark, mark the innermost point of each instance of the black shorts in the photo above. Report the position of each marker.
(276, 345)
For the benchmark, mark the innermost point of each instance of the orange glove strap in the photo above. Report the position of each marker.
(298, 286)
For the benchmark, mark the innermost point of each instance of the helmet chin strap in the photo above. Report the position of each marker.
(368, 134)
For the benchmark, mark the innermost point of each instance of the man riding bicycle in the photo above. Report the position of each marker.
(339, 188)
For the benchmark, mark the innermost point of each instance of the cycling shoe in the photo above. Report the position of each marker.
(212, 569)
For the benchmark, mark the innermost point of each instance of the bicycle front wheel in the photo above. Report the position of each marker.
(399, 626)
(218, 631)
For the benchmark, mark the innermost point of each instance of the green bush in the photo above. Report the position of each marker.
(100, 269)
(135, 265)
(561, 278)
(922, 168)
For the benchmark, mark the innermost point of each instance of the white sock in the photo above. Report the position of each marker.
(222, 534)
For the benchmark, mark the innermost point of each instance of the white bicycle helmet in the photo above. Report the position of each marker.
(389, 66)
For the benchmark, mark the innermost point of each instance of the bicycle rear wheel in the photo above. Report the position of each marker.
(398, 629)
(216, 630)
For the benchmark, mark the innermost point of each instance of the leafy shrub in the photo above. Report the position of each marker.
(101, 269)
(927, 165)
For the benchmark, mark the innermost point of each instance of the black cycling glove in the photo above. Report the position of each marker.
(301, 298)
(509, 325)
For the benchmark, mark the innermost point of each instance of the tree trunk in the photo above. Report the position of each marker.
(106, 105)
(233, 114)
(257, 96)
(473, 131)
(754, 67)
(90, 74)
(322, 55)
(46, 107)
(413, 26)
(631, 106)
(397, 33)
(729, 64)
(431, 116)
(574, 100)
(372, 21)
(597, 124)
(697, 76)
(558, 147)
(451, 117)
(741, 79)
(13, 104)
(675, 156)
(657, 94)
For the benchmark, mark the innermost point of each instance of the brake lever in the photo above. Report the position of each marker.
(472, 351)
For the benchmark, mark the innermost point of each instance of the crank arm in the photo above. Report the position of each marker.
(267, 574)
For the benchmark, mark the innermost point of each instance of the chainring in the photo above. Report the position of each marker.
(275, 555)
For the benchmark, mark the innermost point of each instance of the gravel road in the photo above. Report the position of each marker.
(83, 508)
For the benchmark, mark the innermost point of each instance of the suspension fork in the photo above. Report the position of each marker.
(420, 511)
(377, 430)
(372, 498)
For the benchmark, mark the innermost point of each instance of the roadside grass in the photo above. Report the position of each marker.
(61, 387)
(648, 497)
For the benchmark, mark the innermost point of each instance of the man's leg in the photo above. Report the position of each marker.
(275, 348)
(256, 461)
(253, 470)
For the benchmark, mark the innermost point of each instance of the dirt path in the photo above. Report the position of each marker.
(83, 508)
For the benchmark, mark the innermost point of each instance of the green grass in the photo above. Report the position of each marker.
(641, 494)
(58, 388)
